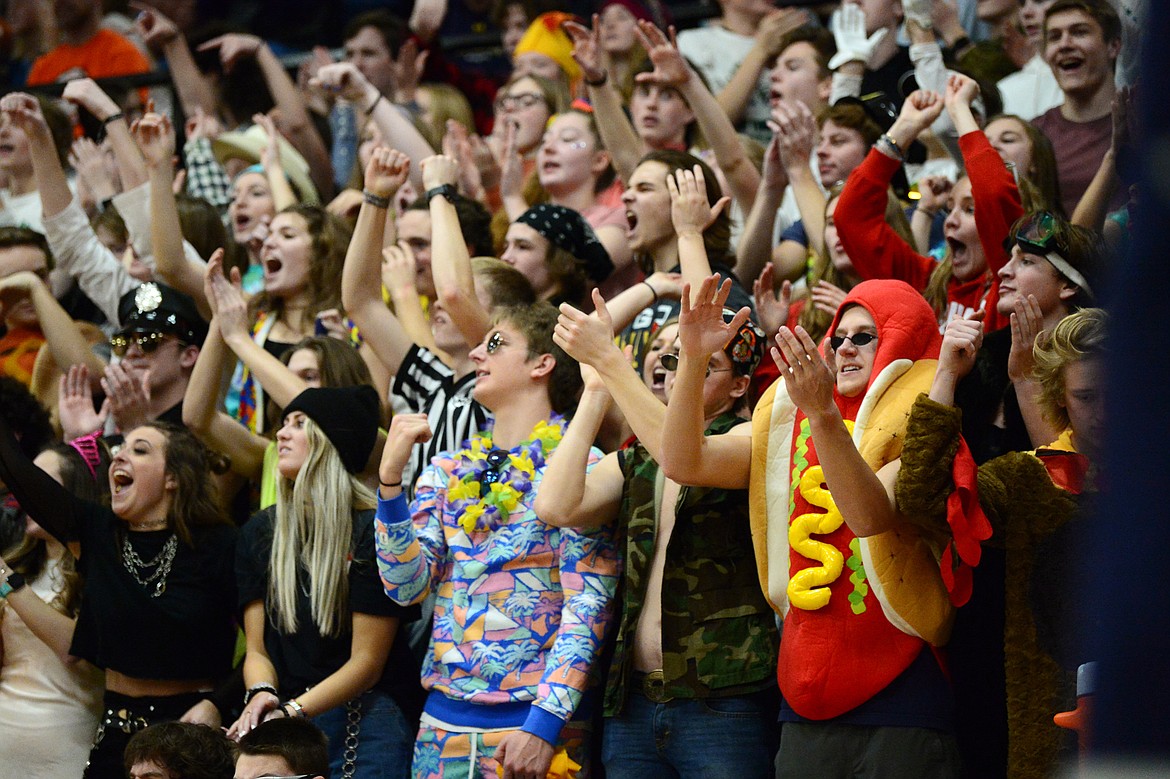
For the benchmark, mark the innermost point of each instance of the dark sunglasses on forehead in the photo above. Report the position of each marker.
(857, 339)
(148, 342)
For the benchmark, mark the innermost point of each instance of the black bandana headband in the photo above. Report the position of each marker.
(568, 230)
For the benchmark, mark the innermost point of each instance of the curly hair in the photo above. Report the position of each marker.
(186, 750)
(1079, 336)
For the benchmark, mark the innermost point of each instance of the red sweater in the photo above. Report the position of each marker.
(877, 252)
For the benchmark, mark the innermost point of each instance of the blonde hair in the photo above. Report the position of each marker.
(314, 530)
(1077, 337)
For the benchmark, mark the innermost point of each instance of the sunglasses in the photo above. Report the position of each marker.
(496, 459)
(857, 339)
(495, 342)
(1038, 234)
(669, 361)
(148, 342)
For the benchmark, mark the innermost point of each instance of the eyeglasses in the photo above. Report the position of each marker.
(495, 342)
(518, 102)
(857, 339)
(495, 461)
(148, 342)
(669, 361)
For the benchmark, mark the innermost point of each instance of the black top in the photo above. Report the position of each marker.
(302, 659)
(188, 632)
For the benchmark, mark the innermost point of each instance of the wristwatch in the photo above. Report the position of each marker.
(446, 190)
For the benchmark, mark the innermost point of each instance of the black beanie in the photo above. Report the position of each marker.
(348, 416)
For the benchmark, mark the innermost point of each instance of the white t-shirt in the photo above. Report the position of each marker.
(717, 53)
(1031, 90)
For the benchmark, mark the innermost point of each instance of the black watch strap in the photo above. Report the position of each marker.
(446, 190)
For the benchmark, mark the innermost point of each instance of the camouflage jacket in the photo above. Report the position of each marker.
(719, 635)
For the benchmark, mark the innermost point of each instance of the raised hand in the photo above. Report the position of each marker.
(587, 47)
(670, 69)
(88, 159)
(772, 308)
(156, 139)
(827, 297)
(225, 298)
(155, 29)
(511, 165)
(24, 111)
(85, 92)
(460, 146)
(342, 79)
(701, 329)
(587, 339)
(128, 395)
(776, 25)
(961, 341)
(75, 404)
(1027, 322)
(934, 191)
(439, 170)
(399, 268)
(386, 172)
(407, 69)
(233, 47)
(202, 125)
(796, 133)
(848, 28)
(807, 375)
(270, 154)
(689, 209)
(919, 111)
(406, 430)
(961, 91)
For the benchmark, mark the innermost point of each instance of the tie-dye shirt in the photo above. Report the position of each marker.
(521, 608)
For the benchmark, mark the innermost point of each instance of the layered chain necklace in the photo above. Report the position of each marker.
(156, 582)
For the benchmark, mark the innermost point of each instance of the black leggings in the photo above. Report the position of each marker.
(124, 716)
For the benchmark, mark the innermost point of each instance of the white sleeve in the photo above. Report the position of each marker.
(931, 73)
(134, 207)
(77, 250)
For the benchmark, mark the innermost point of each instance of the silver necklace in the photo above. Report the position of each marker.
(160, 564)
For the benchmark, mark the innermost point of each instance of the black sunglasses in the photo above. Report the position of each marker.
(857, 339)
(496, 459)
(669, 361)
(148, 342)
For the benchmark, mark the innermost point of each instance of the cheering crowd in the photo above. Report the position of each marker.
(605, 401)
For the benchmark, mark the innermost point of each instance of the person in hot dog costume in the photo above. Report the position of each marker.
(860, 590)
(1035, 503)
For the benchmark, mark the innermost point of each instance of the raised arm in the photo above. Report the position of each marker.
(754, 246)
(399, 271)
(670, 69)
(571, 495)
(361, 280)
(589, 340)
(49, 504)
(282, 191)
(876, 251)
(774, 28)
(688, 456)
(1093, 207)
(301, 131)
(797, 135)
(346, 81)
(614, 127)
(228, 306)
(156, 139)
(215, 428)
(692, 214)
(993, 188)
(450, 262)
(85, 92)
(162, 35)
(63, 337)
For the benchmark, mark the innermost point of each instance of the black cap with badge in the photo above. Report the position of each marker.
(156, 307)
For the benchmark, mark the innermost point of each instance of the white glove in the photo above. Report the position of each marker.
(918, 11)
(848, 25)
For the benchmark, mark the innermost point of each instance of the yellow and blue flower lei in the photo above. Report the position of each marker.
(480, 504)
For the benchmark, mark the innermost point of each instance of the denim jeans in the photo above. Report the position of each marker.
(385, 740)
(716, 738)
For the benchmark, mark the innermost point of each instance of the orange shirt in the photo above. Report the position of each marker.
(18, 353)
(105, 54)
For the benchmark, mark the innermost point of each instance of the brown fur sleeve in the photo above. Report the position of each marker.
(924, 480)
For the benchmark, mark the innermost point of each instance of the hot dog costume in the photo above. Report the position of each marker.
(857, 611)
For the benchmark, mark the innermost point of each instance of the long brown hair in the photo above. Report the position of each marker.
(330, 239)
(191, 464)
